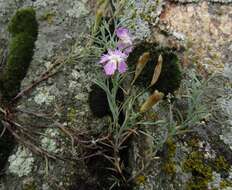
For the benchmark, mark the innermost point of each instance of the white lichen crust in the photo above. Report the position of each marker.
(21, 163)
(49, 140)
(139, 15)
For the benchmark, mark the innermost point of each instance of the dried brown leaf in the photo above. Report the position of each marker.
(143, 59)
(157, 70)
(151, 101)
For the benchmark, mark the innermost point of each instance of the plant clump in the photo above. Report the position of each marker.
(23, 28)
(170, 76)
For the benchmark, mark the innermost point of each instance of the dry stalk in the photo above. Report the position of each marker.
(54, 69)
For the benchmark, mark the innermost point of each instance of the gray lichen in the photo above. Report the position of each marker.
(80, 6)
(21, 163)
(228, 71)
(44, 95)
(139, 15)
(49, 141)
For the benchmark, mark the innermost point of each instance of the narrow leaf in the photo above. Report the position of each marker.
(151, 101)
(157, 71)
(143, 59)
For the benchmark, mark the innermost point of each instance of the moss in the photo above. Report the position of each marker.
(169, 168)
(48, 17)
(170, 77)
(171, 147)
(221, 165)
(71, 115)
(21, 52)
(200, 170)
(24, 29)
(24, 21)
(140, 180)
(30, 186)
(169, 165)
(193, 142)
(225, 183)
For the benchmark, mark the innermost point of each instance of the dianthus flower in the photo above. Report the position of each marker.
(125, 40)
(114, 60)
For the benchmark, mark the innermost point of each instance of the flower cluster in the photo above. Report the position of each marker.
(116, 59)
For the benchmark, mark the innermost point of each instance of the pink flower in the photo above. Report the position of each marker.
(114, 60)
(125, 40)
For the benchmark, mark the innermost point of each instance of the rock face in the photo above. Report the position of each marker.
(200, 32)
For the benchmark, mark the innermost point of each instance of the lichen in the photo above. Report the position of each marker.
(48, 17)
(200, 170)
(139, 14)
(24, 29)
(224, 184)
(225, 102)
(169, 163)
(49, 141)
(71, 115)
(29, 184)
(44, 96)
(215, 183)
(221, 165)
(78, 9)
(21, 163)
(208, 169)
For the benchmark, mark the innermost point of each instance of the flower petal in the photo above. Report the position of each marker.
(122, 32)
(120, 54)
(125, 48)
(122, 67)
(110, 68)
(104, 58)
(124, 35)
(128, 50)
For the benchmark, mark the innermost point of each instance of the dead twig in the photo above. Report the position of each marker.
(54, 69)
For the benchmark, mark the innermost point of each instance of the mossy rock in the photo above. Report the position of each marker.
(24, 21)
(200, 170)
(170, 77)
(24, 30)
(19, 58)
(169, 152)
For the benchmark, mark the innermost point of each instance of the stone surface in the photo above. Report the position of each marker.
(201, 31)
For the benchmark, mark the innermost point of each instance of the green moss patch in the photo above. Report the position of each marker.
(24, 21)
(169, 164)
(24, 29)
(200, 170)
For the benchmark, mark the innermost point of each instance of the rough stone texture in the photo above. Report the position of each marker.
(203, 29)
(62, 98)
(206, 29)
